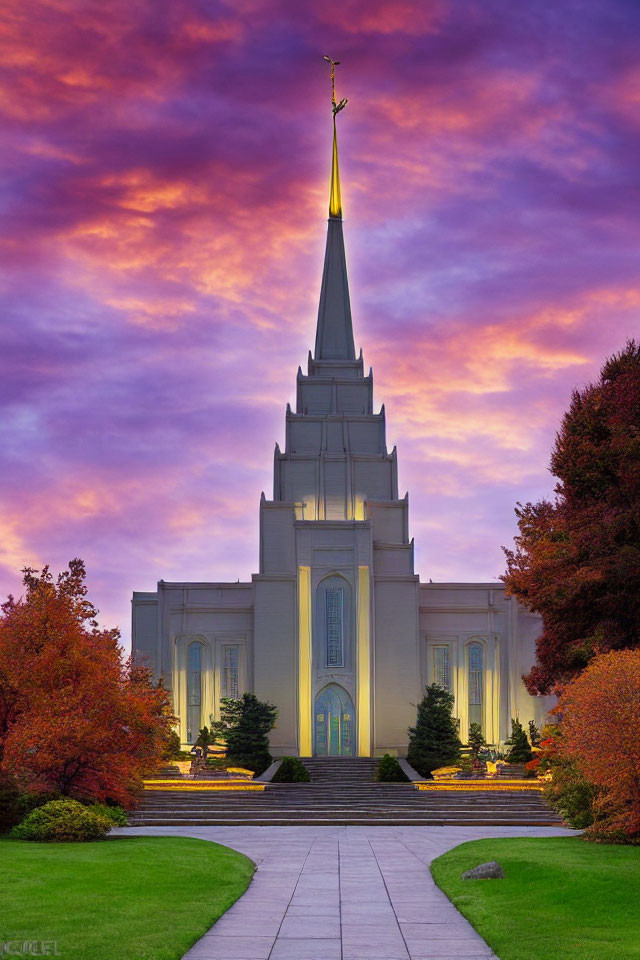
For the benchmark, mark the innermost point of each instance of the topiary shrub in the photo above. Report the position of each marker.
(291, 770)
(390, 771)
(62, 820)
(117, 816)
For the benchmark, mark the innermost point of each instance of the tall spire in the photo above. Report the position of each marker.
(334, 333)
(335, 200)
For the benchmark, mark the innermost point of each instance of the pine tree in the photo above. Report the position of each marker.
(434, 741)
(245, 726)
(476, 739)
(206, 739)
(520, 748)
(534, 734)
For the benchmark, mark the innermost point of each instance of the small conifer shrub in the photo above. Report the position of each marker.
(291, 770)
(390, 771)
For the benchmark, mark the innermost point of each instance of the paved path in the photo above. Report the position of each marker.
(342, 893)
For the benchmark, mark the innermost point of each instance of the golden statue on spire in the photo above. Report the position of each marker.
(335, 200)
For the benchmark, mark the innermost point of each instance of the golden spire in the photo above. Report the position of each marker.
(335, 200)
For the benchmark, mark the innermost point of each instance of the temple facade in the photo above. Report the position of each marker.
(336, 628)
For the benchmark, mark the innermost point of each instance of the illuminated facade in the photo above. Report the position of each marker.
(336, 628)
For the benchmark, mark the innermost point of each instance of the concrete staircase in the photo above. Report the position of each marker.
(342, 791)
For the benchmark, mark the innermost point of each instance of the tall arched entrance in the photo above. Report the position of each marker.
(334, 723)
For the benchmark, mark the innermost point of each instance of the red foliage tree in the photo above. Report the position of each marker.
(75, 717)
(599, 724)
(576, 560)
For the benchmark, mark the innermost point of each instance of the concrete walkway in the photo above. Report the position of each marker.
(342, 893)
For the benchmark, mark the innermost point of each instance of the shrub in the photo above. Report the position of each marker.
(116, 816)
(571, 794)
(16, 804)
(291, 770)
(390, 771)
(532, 768)
(62, 820)
(217, 763)
(599, 727)
(434, 741)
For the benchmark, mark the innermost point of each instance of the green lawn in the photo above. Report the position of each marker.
(147, 898)
(561, 899)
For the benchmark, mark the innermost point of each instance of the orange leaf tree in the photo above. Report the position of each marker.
(76, 718)
(599, 713)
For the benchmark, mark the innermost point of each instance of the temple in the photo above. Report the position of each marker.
(336, 628)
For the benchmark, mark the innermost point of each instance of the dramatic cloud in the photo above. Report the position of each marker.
(164, 191)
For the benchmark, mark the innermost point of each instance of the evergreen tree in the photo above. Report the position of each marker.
(534, 734)
(206, 739)
(434, 741)
(476, 739)
(245, 725)
(291, 770)
(520, 748)
(390, 771)
(172, 749)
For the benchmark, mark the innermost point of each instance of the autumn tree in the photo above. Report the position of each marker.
(576, 560)
(599, 713)
(76, 718)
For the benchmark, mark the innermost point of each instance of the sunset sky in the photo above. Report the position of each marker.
(164, 197)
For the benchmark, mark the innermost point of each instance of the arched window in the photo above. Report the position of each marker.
(334, 600)
(194, 691)
(475, 683)
(332, 638)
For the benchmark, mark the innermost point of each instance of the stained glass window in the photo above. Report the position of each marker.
(334, 599)
(475, 683)
(230, 683)
(441, 672)
(194, 691)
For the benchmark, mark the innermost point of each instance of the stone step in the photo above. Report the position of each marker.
(303, 805)
(341, 769)
(343, 791)
(349, 820)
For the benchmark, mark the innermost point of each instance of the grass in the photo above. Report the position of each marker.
(561, 899)
(148, 898)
